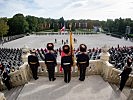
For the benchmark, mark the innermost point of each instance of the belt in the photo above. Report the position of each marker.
(49, 61)
(33, 62)
(82, 62)
(66, 63)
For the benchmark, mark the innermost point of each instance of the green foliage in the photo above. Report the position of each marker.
(130, 35)
(118, 25)
(61, 22)
(3, 26)
(56, 27)
(18, 25)
(33, 22)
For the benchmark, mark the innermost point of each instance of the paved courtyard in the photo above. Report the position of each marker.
(40, 41)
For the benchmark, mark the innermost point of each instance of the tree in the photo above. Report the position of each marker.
(18, 25)
(61, 22)
(55, 27)
(32, 21)
(3, 27)
(110, 26)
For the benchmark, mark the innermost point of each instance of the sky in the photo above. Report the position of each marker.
(68, 9)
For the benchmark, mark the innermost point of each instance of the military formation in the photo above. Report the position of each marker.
(119, 55)
(11, 58)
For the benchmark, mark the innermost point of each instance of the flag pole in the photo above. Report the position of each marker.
(71, 43)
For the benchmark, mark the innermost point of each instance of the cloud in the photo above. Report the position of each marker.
(69, 9)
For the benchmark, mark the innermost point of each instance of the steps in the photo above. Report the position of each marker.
(125, 91)
(93, 88)
(13, 93)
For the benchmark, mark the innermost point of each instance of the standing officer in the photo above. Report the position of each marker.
(6, 79)
(33, 63)
(66, 63)
(125, 73)
(82, 61)
(50, 61)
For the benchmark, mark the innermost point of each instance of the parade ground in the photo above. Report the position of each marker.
(92, 41)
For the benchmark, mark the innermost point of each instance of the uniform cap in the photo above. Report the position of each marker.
(82, 47)
(66, 49)
(50, 46)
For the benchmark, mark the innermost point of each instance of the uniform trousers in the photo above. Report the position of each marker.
(82, 72)
(67, 74)
(34, 70)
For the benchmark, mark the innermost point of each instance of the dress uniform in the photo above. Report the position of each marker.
(50, 61)
(33, 63)
(125, 73)
(66, 63)
(82, 61)
(6, 79)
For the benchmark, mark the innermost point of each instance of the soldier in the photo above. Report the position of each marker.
(125, 73)
(6, 79)
(82, 61)
(66, 63)
(55, 40)
(50, 61)
(33, 63)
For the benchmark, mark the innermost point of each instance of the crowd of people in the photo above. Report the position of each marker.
(10, 38)
(119, 55)
(93, 53)
(10, 58)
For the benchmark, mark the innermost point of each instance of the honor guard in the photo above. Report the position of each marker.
(125, 73)
(82, 61)
(33, 63)
(50, 61)
(66, 63)
(6, 79)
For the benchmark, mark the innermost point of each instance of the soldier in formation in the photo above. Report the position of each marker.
(82, 61)
(125, 73)
(33, 63)
(66, 63)
(50, 61)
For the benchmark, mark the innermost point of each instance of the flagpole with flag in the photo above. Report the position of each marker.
(62, 29)
(71, 44)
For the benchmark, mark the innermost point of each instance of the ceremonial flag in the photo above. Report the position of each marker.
(62, 29)
(71, 46)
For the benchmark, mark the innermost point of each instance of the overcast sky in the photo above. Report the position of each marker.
(69, 9)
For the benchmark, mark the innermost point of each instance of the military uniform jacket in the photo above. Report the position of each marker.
(126, 71)
(66, 61)
(5, 77)
(50, 59)
(33, 60)
(82, 58)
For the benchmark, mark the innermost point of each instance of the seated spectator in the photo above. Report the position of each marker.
(1, 68)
